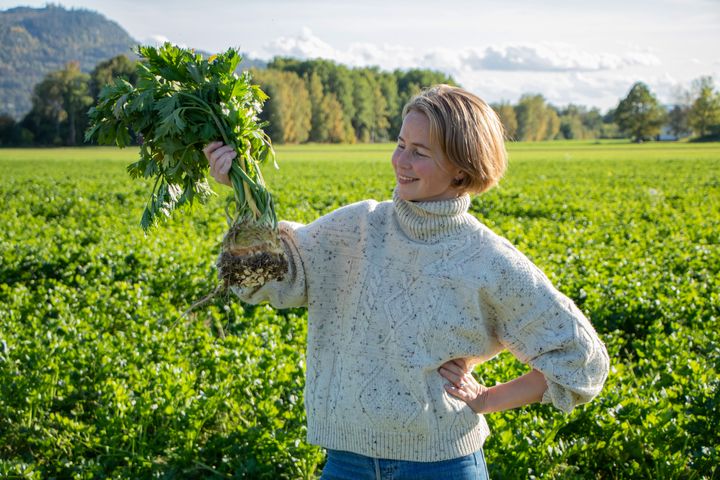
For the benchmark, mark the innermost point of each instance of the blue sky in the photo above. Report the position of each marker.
(585, 52)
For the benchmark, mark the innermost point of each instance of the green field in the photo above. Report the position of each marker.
(100, 379)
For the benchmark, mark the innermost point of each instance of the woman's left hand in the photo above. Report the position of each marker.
(463, 385)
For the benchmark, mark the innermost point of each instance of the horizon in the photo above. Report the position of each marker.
(564, 54)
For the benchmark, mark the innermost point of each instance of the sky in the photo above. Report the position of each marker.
(586, 52)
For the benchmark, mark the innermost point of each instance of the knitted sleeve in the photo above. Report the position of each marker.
(291, 290)
(543, 328)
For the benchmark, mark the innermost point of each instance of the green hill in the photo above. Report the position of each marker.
(36, 41)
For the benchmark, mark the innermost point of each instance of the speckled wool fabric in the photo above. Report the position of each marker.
(394, 290)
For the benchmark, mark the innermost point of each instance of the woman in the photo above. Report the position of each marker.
(405, 296)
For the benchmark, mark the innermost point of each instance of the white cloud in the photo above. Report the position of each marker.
(305, 45)
(156, 40)
(559, 71)
(544, 57)
(598, 89)
(555, 57)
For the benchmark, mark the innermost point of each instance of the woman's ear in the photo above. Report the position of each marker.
(458, 179)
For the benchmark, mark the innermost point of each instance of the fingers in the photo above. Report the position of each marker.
(455, 367)
(220, 158)
(465, 388)
(455, 377)
(476, 399)
(461, 393)
(463, 385)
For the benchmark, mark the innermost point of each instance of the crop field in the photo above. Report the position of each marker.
(100, 378)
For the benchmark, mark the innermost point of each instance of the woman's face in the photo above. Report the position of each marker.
(422, 171)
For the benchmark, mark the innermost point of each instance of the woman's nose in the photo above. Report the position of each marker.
(403, 160)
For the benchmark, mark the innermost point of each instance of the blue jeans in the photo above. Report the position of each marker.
(351, 466)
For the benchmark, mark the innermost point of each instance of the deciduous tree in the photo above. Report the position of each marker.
(288, 110)
(507, 116)
(105, 72)
(536, 120)
(639, 114)
(59, 105)
(704, 112)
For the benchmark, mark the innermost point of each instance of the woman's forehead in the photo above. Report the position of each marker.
(416, 129)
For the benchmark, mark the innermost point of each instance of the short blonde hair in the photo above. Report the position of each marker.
(468, 131)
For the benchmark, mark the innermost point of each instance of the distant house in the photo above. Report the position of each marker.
(666, 135)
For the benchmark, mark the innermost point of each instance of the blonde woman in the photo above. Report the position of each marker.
(405, 296)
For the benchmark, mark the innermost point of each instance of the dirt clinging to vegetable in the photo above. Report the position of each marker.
(251, 256)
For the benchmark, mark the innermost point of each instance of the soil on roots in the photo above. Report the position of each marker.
(252, 255)
(251, 270)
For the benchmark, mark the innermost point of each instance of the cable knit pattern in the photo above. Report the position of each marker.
(396, 289)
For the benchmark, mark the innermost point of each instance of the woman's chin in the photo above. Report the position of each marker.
(405, 193)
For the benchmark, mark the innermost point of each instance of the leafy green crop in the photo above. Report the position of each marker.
(94, 382)
(181, 103)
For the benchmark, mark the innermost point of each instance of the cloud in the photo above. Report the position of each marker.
(156, 40)
(561, 72)
(545, 57)
(554, 58)
(305, 45)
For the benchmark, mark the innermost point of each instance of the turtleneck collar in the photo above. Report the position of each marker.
(430, 222)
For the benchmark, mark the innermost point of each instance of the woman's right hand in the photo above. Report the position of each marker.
(220, 157)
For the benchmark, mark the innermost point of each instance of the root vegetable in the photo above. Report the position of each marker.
(182, 102)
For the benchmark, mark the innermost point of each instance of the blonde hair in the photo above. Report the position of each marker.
(468, 131)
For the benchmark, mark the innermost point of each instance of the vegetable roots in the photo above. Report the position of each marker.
(252, 254)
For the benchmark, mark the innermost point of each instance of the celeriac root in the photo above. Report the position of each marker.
(252, 255)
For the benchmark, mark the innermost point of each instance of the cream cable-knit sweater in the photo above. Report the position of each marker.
(396, 289)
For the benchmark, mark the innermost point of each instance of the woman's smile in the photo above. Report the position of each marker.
(404, 179)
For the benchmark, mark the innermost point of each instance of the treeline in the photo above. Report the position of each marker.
(310, 101)
(534, 119)
(638, 116)
(322, 101)
(60, 103)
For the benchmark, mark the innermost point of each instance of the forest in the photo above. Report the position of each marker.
(325, 102)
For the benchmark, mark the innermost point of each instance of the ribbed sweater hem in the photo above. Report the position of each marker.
(409, 446)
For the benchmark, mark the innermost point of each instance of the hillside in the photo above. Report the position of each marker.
(36, 41)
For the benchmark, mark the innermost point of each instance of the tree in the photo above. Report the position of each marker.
(678, 120)
(571, 123)
(288, 110)
(336, 79)
(389, 91)
(593, 122)
(536, 120)
(577, 122)
(9, 131)
(705, 110)
(334, 121)
(327, 120)
(364, 102)
(106, 72)
(639, 114)
(318, 129)
(507, 116)
(59, 105)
